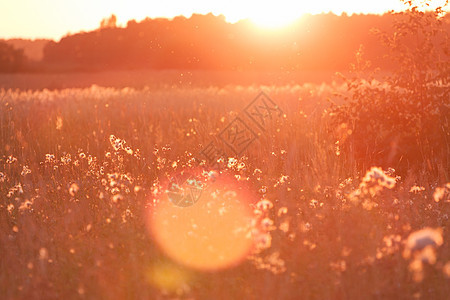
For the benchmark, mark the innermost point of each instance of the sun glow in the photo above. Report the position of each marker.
(273, 17)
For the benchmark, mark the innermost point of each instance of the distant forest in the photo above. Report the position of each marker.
(208, 42)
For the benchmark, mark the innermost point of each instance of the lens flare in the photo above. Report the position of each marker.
(212, 234)
(168, 276)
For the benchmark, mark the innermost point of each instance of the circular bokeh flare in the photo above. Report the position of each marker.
(212, 234)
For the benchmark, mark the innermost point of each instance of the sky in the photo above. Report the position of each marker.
(56, 18)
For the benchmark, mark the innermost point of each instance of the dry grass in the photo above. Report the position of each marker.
(327, 229)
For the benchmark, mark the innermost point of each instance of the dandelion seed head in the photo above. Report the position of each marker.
(284, 226)
(416, 189)
(117, 198)
(376, 175)
(264, 205)
(442, 193)
(420, 239)
(313, 203)
(305, 227)
(73, 189)
(263, 241)
(338, 266)
(241, 166)
(282, 211)
(81, 290)
(310, 245)
(59, 123)
(66, 159)
(43, 254)
(11, 159)
(25, 205)
(232, 162)
(374, 181)
(421, 249)
(10, 208)
(257, 171)
(128, 150)
(25, 171)
(267, 224)
(446, 269)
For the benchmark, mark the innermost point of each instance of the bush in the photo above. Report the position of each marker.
(403, 119)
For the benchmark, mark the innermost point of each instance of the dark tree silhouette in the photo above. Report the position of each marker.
(110, 22)
(315, 42)
(11, 60)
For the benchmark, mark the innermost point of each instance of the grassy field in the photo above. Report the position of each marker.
(82, 168)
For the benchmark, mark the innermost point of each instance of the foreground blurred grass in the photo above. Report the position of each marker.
(72, 212)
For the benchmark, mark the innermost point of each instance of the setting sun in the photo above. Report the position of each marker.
(274, 15)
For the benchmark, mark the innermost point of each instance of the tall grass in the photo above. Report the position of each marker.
(74, 201)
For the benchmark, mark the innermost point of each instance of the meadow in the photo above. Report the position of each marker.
(80, 168)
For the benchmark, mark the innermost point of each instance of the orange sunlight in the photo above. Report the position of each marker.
(272, 15)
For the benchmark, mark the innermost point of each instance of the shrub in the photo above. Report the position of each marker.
(403, 119)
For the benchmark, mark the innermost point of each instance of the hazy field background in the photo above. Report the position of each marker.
(162, 79)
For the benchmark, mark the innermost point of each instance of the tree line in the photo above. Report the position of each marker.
(11, 59)
(208, 42)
